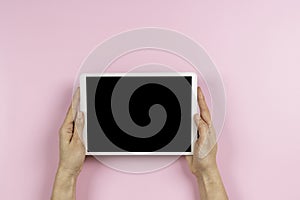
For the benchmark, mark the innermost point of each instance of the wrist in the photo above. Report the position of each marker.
(209, 177)
(64, 185)
(67, 173)
(207, 171)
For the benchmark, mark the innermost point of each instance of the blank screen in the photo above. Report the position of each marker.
(139, 114)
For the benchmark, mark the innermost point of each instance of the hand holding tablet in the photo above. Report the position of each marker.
(72, 151)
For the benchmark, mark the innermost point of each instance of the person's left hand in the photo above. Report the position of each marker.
(72, 150)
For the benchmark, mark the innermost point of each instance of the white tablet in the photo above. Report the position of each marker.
(139, 113)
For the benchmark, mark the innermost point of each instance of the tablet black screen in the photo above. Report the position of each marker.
(139, 114)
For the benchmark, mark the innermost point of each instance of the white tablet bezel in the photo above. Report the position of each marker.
(83, 108)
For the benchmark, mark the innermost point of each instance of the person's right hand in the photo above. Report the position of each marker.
(205, 148)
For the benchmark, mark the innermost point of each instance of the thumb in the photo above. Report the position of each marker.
(79, 125)
(202, 130)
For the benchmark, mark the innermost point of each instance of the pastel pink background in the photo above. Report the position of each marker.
(255, 45)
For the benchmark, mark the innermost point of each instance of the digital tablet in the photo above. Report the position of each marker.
(139, 113)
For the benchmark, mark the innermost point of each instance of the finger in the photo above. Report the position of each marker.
(202, 129)
(200, 123)
(197, 119)
(73, 108)
(197, 149)
(79, 124)
(204, 111)
(189, 160)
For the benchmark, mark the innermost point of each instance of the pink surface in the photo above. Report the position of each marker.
(255, 45)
